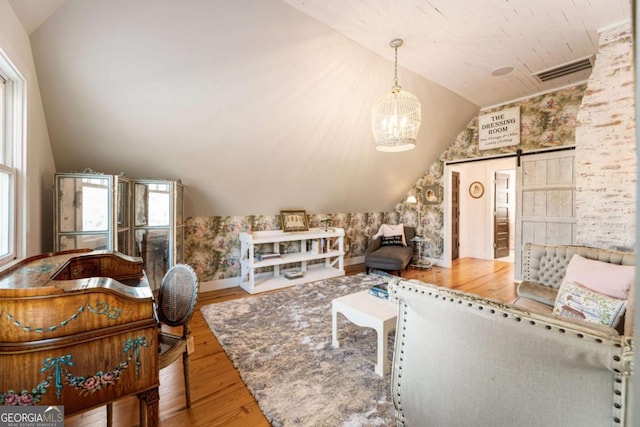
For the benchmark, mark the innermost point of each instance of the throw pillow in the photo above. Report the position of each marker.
(388, 230)
(609, 279)
(391, 241)
(577, 302)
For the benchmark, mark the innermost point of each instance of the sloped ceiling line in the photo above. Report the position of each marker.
(264, 104)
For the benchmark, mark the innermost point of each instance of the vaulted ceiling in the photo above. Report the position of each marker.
(460, 43)
(259, 105)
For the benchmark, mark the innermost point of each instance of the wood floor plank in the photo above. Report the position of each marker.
(219, 396)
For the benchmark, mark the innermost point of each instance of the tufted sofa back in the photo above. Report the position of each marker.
(548, 264)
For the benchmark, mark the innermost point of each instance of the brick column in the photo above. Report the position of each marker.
(606, 147)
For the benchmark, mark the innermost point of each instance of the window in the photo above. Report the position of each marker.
(12, 145)
(7, 178)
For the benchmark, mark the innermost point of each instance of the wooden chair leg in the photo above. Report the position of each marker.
(109, 414)
(187, 386)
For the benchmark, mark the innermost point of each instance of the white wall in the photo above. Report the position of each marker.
(14, 41)
(254, 105)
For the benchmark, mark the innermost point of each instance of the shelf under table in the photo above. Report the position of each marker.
(268, 282)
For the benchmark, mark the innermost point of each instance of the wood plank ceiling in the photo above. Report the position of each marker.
(459, 43)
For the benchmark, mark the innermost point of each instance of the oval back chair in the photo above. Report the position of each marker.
(177, 300)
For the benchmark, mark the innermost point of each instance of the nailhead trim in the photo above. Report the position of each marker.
(621, 366)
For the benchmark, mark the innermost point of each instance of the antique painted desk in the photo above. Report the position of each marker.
(78, 329)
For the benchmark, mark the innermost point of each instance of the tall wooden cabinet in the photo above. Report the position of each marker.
(138, 217)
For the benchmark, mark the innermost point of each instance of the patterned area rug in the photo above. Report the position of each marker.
(281, 344)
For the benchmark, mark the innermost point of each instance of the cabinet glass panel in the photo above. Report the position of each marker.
(83, 204)
(153, 246)
(84, 241)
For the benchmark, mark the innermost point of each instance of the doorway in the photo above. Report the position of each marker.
(472, 209)
(504, 185)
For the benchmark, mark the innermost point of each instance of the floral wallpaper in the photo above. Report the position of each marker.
(212, 245)
(546, 121)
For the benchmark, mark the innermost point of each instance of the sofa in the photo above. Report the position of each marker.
(462, 360)
(393, 257)
(544, 268)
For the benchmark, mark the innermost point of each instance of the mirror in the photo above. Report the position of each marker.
(84, 204)
(123, 206)
(153, 247)
(140, 204)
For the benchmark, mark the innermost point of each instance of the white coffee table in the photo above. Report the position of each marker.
(371, 312)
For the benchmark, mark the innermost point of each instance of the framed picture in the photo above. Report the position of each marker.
(431, 195)
(292, 220)
(476, 189)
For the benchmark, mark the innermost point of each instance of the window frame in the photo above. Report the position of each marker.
(13, 157)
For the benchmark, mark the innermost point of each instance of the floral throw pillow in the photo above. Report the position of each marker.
(577, 302)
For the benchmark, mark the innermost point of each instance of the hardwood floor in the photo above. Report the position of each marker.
(220, 398)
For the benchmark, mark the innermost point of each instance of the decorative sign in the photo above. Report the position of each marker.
(499, 129)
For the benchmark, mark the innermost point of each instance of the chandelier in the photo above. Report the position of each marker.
(396, 116)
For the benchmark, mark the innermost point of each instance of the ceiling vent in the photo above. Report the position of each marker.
(565, 70)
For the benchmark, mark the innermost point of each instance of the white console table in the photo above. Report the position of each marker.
(331, 259)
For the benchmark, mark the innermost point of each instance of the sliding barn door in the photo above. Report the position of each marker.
(545, 201)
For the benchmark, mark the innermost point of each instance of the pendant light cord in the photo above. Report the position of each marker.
(395, 80)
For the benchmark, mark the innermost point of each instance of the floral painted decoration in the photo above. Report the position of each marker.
(86, 384)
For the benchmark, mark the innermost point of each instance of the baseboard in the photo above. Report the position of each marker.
(437, 262)
(232, 282)
(353, 269)
(215, 285)
(354, 260)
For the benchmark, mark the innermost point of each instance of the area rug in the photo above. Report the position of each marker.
(281, 345)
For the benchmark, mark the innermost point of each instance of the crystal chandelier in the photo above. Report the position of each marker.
(396, 116)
